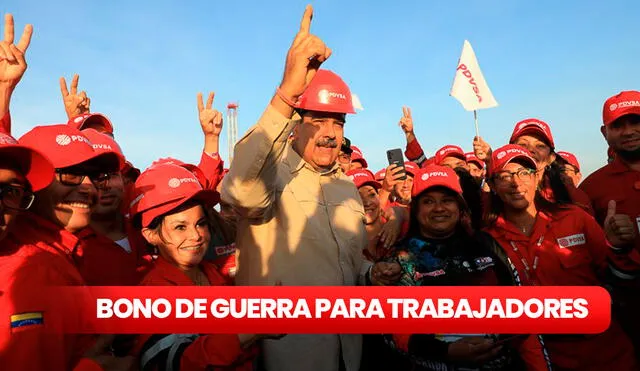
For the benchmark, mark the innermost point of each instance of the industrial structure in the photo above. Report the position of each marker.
(232, 128)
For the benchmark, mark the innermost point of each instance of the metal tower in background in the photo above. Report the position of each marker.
(232, 128)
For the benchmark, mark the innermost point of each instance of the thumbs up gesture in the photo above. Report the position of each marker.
(618, 227)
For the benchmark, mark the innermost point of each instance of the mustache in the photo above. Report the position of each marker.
(327, 142)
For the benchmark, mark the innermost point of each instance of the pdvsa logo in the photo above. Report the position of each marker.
(175, 182)
(65, 140)
(324, 95)
(426, 176)
(501, 155)
(613, 107)
(105, 147)
(573, 240)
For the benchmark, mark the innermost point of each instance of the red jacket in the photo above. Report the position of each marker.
(212, 167)
(211, 352)
(567, 248)
(37, 254)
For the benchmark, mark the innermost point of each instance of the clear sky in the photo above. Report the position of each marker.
(142, 63)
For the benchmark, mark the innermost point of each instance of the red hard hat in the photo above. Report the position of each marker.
(192, 168)
(326, 93)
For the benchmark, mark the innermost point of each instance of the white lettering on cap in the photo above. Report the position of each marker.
(103, 146)
(65, 140)
(175, 182)
(426, 176)
(629, 103)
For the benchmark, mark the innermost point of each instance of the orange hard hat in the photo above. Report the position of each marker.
(326, 93)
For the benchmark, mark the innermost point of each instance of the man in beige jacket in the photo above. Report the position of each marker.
(301, 221)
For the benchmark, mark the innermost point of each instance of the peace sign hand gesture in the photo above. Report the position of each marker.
(74, 104)
(210, 119)
(406, 122)
(12, 61)
(305, 56)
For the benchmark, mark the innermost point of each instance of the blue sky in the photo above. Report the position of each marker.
(142, 64)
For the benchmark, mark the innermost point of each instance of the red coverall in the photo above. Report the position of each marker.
(211, 352)
(570, 250)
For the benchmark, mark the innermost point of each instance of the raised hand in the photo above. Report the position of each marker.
(619, 228)
(406, 122)
(74, 104)
(392, 177)
(12, 60)
(306, 54)
(210, 119)
(481, 149)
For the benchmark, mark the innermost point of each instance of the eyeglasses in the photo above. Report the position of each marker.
(15, 197)
(507, 177)
(99, 180)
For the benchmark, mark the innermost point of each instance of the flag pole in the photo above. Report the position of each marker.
(475, 118)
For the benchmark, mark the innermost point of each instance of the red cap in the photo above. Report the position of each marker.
(435, 176)
(192, 168)
(326, 93)
(103, 143)
(357, 156)
(162, 188)
(449, 151)
(571, 159)
(363, 177)
(471, 157)
(528, 126)
(506, 154)
(33, 164)
(430, 161)
(411, 168)
(624, 103)
(65, 146)
(95, 121)
(380, 174)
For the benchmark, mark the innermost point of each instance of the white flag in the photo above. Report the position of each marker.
(469, 86)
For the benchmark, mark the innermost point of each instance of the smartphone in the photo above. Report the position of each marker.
(395, 157)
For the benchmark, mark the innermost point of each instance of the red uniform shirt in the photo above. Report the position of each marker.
(5, 124)
(210, 352)
(102, 262)
(212, 167)
(34, 256)
(615, 181)
(567, 248)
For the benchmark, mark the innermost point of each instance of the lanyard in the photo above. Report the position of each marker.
(530, 271)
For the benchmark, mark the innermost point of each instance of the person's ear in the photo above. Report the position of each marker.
(151, 236)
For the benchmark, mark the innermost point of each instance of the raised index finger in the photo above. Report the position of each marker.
(404, 112)
(305, 24)
(200, 103)
(210, 100)
(74, 84)
(25, 39)
(8, 28)
(63, 87)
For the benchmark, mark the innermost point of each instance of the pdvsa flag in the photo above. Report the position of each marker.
(469, 86)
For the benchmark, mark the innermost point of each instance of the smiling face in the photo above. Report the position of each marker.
(438, 212)
(402, 190)
(182, 237)
(371, 203)
(623, 136)
(318, 137)
(69, 206)
(517, 191)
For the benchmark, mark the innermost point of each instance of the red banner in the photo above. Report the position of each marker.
(282, 309)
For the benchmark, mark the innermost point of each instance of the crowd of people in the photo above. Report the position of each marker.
(299, 206)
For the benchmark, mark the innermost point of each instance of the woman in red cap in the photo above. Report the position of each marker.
(553, 245)
(440, 251)
(535, 136)
(170, 209)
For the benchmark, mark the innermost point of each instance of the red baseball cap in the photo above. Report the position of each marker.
(571, 159)
(162, 188)
(192, 168)
(435, 176)
(65, 146)
(506, 154)
(380, 174)
(357, 155)
(103, 143)
(471, 157)
(362, 177)
(95, 121)
(533, 126)
(33, 165)
(448, 151)
(411, 168)
(428, 162)
(624, 103)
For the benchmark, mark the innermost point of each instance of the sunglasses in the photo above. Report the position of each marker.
(72, 179)
(15, 197)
